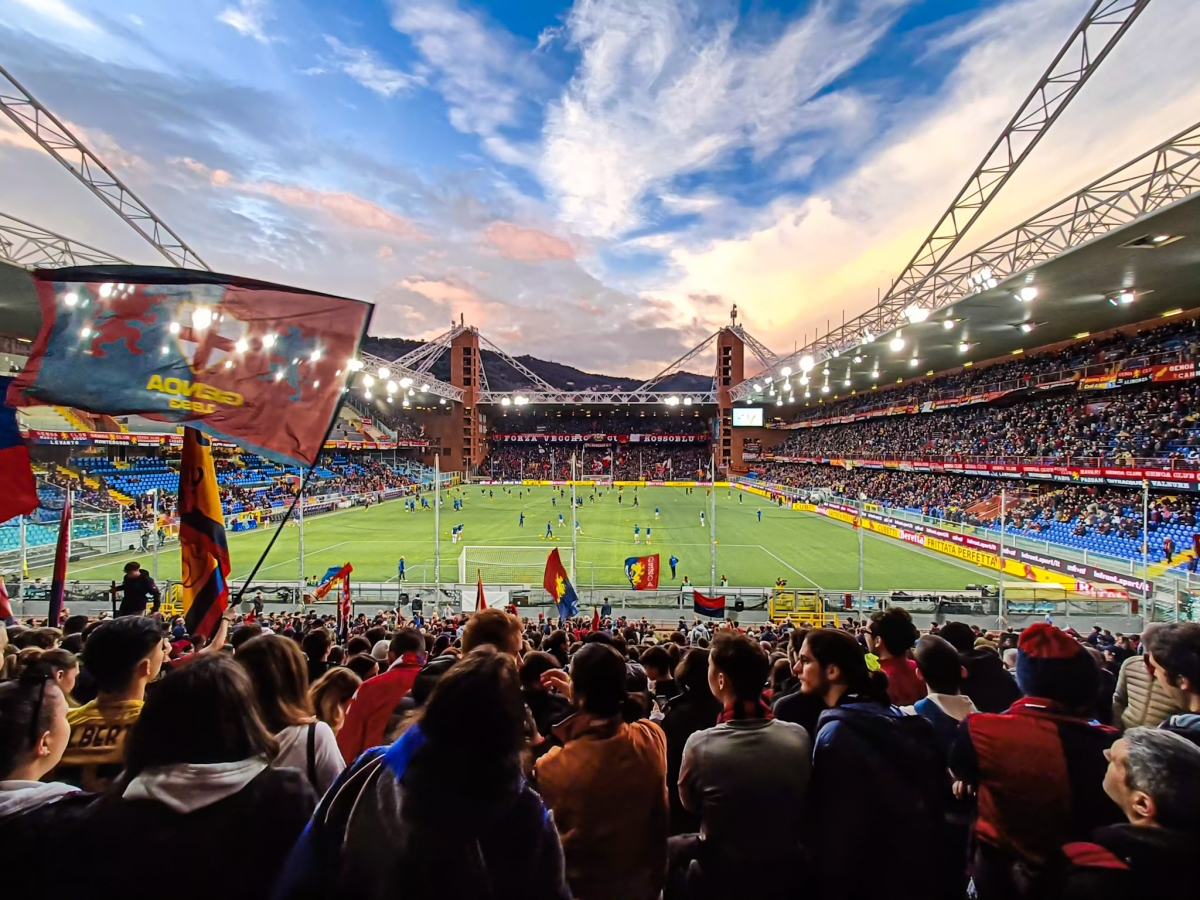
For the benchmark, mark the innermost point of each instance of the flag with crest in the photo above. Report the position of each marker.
(642, 572)
(558, 586)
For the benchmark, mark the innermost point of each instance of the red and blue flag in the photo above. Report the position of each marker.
(713, 607)
(62, 554)
(642, 572)
(18, 488)
(252, 362)
(558, 586)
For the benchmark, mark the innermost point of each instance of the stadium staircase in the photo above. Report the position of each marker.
(44, 418)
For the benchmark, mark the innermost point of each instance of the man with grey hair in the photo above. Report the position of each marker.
(1154, 777)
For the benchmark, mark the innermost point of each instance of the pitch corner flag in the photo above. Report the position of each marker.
(558, 586)
(204, 555)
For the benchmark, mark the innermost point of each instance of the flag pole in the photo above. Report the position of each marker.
(574, 523)
(437, 531)
(154, 531)
(712, 525)
(1000, 592)
(24, 561)
(300, 555)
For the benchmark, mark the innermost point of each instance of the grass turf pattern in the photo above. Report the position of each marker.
(805, 549)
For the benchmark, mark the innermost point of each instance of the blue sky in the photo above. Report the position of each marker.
(594, 182)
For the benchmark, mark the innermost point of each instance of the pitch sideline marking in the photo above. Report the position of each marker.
(790, 566)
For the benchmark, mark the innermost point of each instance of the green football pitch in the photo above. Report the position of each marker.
(807, 550)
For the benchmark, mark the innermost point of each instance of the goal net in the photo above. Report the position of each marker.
(508, 565)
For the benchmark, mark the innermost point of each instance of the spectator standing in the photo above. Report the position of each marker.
(1154, 777)
(991, 688)
(746, 778)
(316, 644)
(122, 656)
(871, 761)
(657, 663)
(1038, 768)
(197, 770)
(890, 637)
(1175, 653)
(279, 675)
(1140, 700)
(605, 769)
(693, 709)
(371, 709)
(462, 823)
(135, 587)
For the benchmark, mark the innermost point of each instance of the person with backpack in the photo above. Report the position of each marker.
(877, 775)
(1037, 769)
(444, 812)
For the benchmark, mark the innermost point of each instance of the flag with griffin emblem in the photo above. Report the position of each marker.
(252, 362)
(203, 553)
(642, 572)
(558, 586)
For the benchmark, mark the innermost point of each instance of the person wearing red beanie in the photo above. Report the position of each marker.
(1038, 768)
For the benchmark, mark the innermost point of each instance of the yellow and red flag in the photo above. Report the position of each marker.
(558, 586)
(204, 555)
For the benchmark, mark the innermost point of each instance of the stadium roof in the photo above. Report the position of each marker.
(1075, 291)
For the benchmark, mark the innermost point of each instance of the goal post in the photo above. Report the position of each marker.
(509, 565)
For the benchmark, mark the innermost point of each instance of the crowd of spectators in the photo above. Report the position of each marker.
(1103, 428)
(615, 421)
(1181, 338)
(492, 756)
(621, 462)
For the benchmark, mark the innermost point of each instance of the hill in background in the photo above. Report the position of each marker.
(503, 377)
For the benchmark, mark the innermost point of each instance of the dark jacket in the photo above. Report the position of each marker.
(263, 820)
(1185, 725)
(133, 594)
(801, 708)
(503, 848)
(1039, 774)
(988, 683)
(1130, 860)
(36, 821)
(877, 772)
(686, 714)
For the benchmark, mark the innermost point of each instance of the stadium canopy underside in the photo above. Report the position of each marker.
(1075, 293)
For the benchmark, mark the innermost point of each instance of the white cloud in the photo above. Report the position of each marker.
(249, 19)
(807, 259)
(664, 89)
(368, 69)
(478, 69)
(61, 12)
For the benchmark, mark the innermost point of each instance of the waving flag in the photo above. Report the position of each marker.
(642, 572)
(558, 586)
(708, 606)
(256, 363)
(480, 601)
(62, 552)
(203, 553)
(333, 575)
(6, 616)
(18, 489)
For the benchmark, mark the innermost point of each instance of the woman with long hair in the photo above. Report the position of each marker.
(444, 812)
(331, 694)
(197, 781)
(279, 673)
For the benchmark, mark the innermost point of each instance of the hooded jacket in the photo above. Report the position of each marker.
(504, 847)
(989, 685)
(36, 821)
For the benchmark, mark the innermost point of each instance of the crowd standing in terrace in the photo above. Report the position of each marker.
(493, 756)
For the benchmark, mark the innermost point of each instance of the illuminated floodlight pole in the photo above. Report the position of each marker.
(712, 525)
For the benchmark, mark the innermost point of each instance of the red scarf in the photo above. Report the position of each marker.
(752, 709)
